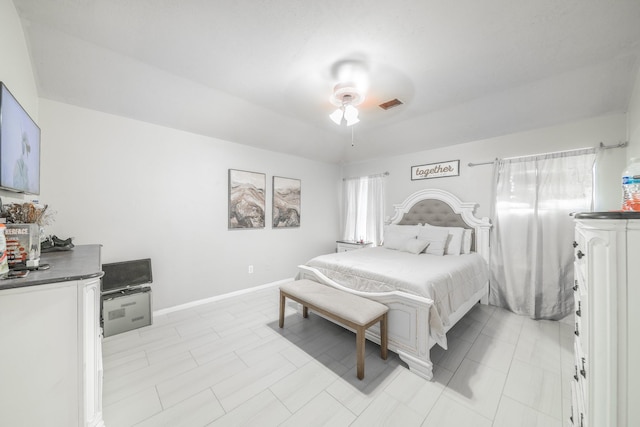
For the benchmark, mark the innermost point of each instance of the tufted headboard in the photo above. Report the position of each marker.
(441, 208)
(434, 212)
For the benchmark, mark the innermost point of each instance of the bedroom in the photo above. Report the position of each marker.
(170, 191)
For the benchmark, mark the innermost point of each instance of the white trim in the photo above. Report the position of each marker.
(219, 297)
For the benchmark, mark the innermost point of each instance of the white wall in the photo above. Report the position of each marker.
(143, 190)
(15, 64)
(16, 71)
(475, 183)
(147, 191)
(633, 121)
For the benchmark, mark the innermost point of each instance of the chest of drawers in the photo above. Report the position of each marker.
(606, 376)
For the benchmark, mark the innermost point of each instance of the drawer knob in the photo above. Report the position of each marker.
(575, 244)
(583, 371)
(579, 310)
(580, 254)
(576, 331)
(575, 376)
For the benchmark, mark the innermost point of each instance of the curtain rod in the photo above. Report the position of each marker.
(618, 145)
(368, 176)
(483, 163)
(601, 147)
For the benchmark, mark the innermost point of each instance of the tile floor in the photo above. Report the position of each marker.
(227, 363)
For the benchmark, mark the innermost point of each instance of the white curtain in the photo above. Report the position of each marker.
(364, 209)
(531, 252)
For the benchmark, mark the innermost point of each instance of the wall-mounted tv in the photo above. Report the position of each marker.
(19, 146)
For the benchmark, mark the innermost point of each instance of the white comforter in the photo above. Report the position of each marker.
(448, 280)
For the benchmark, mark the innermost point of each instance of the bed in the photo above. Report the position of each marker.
(422, 308)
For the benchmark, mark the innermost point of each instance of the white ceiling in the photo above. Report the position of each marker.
(261, 72)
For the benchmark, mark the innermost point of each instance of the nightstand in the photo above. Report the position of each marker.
(346, 245)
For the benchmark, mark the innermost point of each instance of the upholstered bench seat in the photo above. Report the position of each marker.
(347, 309)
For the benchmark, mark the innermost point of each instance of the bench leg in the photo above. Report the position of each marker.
(360, 351)
(282, 304)
(305, 311)
(383, 337)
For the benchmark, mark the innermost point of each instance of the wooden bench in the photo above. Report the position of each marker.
(347, 309)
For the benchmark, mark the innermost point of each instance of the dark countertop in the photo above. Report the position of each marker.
(81, 262)
(608, 215)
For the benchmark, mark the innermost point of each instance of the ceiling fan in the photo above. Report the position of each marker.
(315, 94)
(353, 81)
(353, 78)
(346, 96)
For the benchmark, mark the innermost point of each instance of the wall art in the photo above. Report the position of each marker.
(247, 191)
(286, 202)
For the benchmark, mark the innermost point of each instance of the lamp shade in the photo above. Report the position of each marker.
(351, 115)
(348, 113)
(336, 116)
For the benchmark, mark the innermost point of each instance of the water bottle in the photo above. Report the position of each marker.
(631, 186)
(4, 264)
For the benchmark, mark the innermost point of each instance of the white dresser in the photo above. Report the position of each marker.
(606, 380)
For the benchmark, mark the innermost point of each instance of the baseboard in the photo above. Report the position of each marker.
(218, 297)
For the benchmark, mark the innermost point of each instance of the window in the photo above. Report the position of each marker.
(364, 209)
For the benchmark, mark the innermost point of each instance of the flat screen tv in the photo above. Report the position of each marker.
(126, 274)
(19, 146)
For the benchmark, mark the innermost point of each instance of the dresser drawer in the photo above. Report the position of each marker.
(581, 314)
(579, 256)
(581, 375)
(577, 418)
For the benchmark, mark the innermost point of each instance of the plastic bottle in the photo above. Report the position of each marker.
(631, 186)
(4, 264)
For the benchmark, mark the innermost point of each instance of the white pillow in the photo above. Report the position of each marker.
(466, 241)
(437, 239)
(394, 234)
(415, 246)
(396, 241)
(454, 241)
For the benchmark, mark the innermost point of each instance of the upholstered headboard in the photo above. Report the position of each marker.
(441, 208)
(434, 212)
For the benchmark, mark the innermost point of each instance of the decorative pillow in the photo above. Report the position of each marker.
(453, 245)
(395, 235)
(437, 239)
(415, 246)
(466, 240)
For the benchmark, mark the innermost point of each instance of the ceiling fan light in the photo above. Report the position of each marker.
(351, 122)
(351, 114)
(336, 116)
(346, 96)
